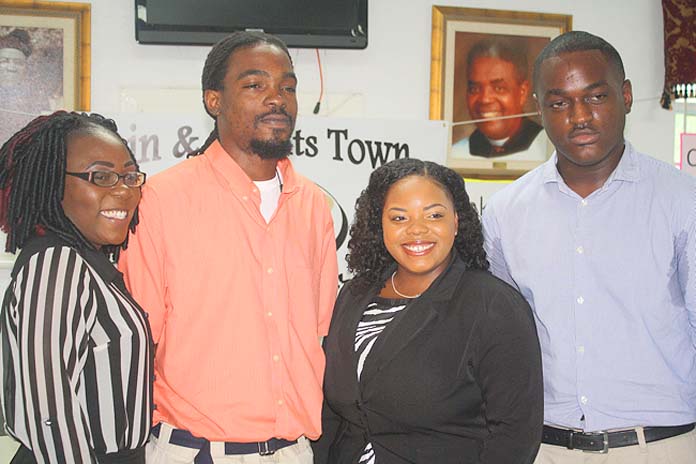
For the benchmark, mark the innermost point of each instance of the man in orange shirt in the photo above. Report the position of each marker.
(235, 261)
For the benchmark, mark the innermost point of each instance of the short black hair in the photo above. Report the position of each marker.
(217, 62)
(368, 258)
(512, 51)
(32, 179)
(578, 41)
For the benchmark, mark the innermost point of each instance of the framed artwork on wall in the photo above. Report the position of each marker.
(44, 60)
(481, 82)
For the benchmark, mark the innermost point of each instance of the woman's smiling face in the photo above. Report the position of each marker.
(101, 214)
(419, 224)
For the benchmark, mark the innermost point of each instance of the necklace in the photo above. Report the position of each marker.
(398, 292)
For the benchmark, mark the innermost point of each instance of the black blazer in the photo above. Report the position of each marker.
(455, 378)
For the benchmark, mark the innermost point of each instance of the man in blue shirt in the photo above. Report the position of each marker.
(601, 241)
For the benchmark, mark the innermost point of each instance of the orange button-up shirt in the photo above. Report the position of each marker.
(236, 305)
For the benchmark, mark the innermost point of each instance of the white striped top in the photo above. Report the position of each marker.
(76, 356)
(378, 314)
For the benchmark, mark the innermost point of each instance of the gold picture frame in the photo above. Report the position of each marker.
(54, 38)
(455, 32)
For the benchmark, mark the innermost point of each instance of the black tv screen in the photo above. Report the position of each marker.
(299, 23)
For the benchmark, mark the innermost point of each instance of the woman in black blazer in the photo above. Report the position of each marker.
(429, 358)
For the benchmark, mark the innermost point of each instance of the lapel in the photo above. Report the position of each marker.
(398, 335)
(410, 323)
(341, 349)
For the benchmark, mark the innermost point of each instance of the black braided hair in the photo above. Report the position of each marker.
(217, 62)
(368, 258)
(32, 179)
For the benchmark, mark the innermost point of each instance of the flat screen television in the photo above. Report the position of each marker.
(299, 23)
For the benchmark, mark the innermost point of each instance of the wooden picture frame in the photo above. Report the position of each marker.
(45, 59)
(463, 35)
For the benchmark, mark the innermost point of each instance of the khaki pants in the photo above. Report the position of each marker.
(160, 451)
(676, 450)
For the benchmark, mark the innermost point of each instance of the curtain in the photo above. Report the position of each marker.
(680, 50)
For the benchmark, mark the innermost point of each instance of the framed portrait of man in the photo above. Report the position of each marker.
(481, 83)
(44, 60)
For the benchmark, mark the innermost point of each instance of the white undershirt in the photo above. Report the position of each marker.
(270, 193)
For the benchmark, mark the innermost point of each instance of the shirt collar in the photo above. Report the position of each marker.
(627, 170)
(96, 258)
(238, 179)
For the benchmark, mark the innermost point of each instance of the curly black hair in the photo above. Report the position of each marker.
(32, 179)
(368, 258)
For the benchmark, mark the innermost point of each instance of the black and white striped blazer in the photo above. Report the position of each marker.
(76, 356)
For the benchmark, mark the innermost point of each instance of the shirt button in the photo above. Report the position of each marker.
(269, 270)
(245, 198)
(583, 399)
(584, 202)
(269, 314)
(581, 349)
(580, 250)
(280, 402)
(580, 300)
(276, 358)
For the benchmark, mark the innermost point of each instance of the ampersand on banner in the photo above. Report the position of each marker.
(183, 146)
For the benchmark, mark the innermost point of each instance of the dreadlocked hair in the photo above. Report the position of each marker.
(368, 258)
(32, 180)
(217, 62)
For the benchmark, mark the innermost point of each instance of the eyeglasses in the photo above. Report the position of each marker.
(111, 178)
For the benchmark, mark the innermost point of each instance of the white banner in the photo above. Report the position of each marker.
(337, 154)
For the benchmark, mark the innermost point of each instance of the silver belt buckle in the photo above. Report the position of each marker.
(605, 447)
(264, 450)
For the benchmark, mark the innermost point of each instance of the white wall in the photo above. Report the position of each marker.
(390, 79)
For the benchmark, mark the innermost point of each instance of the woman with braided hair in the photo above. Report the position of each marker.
(75, 347)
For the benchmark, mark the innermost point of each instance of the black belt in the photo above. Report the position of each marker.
(601, 441)
(264, 448)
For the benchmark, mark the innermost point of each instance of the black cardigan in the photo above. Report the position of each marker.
(456, 378)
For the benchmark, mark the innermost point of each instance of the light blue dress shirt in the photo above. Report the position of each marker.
(612, 282)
